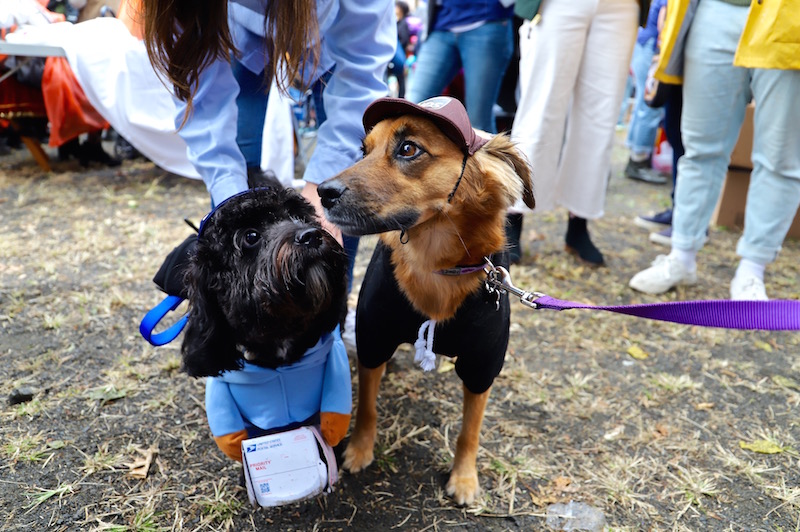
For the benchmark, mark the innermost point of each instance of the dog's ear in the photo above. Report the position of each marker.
(208, 348)
(502, 147)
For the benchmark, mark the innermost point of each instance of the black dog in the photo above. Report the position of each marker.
(267, 289)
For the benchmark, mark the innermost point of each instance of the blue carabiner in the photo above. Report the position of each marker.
(155, 315)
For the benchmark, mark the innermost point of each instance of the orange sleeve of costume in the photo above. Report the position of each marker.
(334, 426)
(231, 444)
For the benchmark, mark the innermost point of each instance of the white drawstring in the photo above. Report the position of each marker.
(424, 355)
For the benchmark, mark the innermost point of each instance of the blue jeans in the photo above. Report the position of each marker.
(483, 53)
(252, 105)
(715, 94)
(644, 119)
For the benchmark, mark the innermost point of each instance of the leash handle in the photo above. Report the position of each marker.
(155, 315)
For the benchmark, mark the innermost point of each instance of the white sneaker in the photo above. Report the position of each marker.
(748, 288)
(349, 332)
(665, 273)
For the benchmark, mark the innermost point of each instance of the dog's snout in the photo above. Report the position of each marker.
(330, 192)
(311, 237)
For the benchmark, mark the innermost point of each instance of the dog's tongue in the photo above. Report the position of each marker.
(446, 112)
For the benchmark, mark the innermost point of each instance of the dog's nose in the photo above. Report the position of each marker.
(330, 192)
(311, 237)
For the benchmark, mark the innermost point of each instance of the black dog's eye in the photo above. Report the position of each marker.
(251, 238)
(408, 150)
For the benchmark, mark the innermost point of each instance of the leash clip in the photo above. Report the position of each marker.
(499, 280)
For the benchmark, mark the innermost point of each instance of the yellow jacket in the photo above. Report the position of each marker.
(770, 38)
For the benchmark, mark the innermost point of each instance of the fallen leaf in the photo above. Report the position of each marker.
(785, 382)
(141, 466)
(763, 345)
(637, 352)
(615, 433)
(445, 365)
(704, 406)
(561, 483)
(762, 446)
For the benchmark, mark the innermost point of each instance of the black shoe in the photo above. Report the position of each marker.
(579, 243)
(643, 171)
(513, 235)
(71, 148)
(93, 151)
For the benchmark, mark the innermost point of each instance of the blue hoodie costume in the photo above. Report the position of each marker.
(254, 400)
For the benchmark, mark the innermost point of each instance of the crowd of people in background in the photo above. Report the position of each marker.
(568, 69)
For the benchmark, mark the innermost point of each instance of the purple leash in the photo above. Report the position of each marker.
(776, 315)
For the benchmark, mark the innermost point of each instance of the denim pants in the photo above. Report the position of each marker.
(483, 53)
(644, 119)
(252, 105)
(715, 95)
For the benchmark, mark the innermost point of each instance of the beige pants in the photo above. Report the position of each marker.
(572, 72)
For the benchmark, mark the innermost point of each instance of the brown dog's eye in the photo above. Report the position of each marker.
(408, 150)
(251, 238)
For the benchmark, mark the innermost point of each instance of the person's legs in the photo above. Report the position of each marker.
(774, 193)
(586, 157)
(715, 94)
(550, 56)
(436, 66)
(484, 52)
(644, 119)
(252, 105)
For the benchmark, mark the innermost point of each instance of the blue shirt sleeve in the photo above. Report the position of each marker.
(210, 132)
(221, 410)
(337, 394)
(360, 41)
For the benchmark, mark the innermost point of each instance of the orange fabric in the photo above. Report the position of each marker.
(130, 15)
(334, 427)
(231, 444)
(68, 110)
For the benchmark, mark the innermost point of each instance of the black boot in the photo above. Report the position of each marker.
(513, 236)
(579, 243)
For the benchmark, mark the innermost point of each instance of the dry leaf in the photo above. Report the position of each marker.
(445, 365)
(141, 466)
(615, 433)
(762, 446)
(637, 352)
(786, 382)
(763, 345)
(704, 406)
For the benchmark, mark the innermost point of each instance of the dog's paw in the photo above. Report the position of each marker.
(358, 457)
(463, 488)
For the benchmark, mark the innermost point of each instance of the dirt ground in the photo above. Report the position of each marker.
(660, 426)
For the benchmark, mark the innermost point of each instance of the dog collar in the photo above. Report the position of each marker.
(467, 269)
(462, 270)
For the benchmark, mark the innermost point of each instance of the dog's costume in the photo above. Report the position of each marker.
(478, 333)
(255, 401)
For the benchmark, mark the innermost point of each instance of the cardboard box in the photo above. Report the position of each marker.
(741, 157)
(732, 199)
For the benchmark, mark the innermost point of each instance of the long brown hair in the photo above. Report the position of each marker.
(183, 37)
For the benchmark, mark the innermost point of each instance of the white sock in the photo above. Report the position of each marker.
(750, 268)
(687, 257)
(639, 157)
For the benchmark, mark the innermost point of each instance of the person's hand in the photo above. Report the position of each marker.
(309, 192)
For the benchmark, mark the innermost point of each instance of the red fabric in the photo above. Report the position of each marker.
(17, 99)
(68, 110)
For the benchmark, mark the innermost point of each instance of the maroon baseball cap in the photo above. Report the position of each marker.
(447, 113)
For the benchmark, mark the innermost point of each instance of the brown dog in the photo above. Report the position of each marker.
(437, 193)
